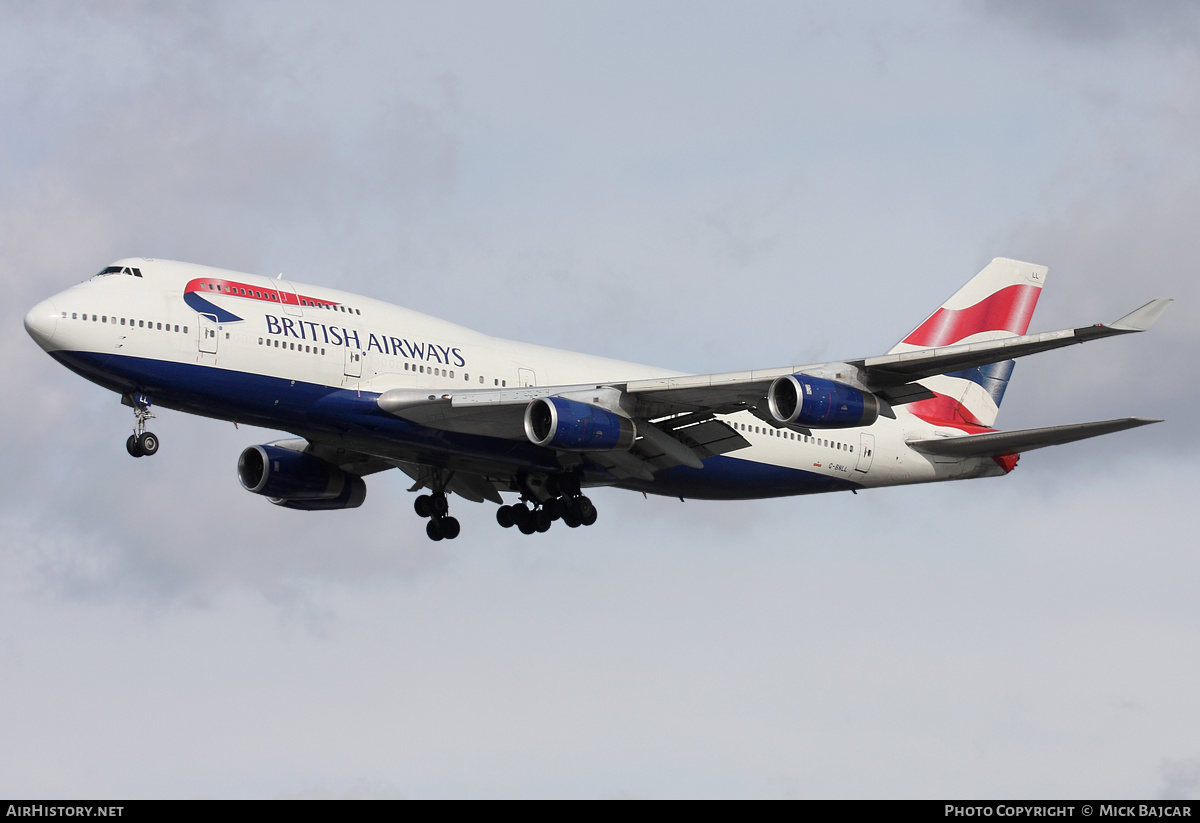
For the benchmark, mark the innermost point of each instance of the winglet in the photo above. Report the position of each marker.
(1143, 318)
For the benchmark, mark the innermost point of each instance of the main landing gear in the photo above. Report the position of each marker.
(141, 443)
(544, 499)
(554, 498)
(441, 526)
(574, 511)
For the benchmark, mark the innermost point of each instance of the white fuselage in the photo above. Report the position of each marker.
(259, 350)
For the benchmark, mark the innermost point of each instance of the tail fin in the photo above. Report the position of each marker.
(998, 302)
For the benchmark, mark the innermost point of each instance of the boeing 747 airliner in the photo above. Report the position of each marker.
(365, 386)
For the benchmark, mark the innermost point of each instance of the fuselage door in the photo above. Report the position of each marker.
(526, 377)
(353, 362)
(866, 451)
(288, 297)
(208, 329)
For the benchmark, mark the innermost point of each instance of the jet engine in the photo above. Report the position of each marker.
(820, 403)
(296, 480)
(569, 425)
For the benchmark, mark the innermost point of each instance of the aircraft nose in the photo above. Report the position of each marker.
(40, 322)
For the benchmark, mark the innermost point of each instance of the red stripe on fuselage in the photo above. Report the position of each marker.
(1009, 309)
(232, 288)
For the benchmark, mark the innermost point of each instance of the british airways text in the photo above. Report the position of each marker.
(385, 344)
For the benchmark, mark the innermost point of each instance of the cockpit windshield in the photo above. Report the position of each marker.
(118, 270)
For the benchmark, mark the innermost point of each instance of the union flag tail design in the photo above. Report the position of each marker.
(996, 303)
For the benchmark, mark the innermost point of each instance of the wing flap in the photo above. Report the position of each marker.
(624, 465)
(712, 438)
(655, 443)
(662, 446)
(473, 487)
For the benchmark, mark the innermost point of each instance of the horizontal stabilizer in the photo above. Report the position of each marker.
(992, 444)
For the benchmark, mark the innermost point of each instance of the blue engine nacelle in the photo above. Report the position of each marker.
(558, 423)
(820, 403)
(299, 481)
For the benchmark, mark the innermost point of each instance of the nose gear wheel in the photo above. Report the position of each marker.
(141, 443)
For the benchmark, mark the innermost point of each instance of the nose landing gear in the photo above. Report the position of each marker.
(141, 443)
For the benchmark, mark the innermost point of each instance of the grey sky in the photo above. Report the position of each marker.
(693, 185)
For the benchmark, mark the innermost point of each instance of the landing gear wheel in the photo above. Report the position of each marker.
(141, 443)
(542, 521)
(521, 517)
(147, 443)
(587, 512)
(434, 506)
(449, 527)
(504, 517)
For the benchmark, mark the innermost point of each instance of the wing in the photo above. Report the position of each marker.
(500, 412)
(891, 376)
(675, 417)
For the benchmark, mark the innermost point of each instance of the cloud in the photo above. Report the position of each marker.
(1171, 22)
(736, 190)
(1181, 779)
